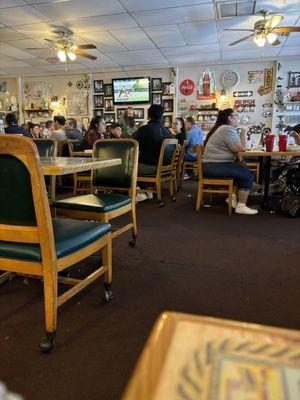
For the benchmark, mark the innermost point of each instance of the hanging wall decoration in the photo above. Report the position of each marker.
(255, 76)
(77, 103)
(268, 81)
(187, 87)
(207, 86)
(3, 86)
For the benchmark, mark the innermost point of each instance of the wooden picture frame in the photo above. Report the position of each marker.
(156, 98)
(99, 101)
(108, 90)
(156, 84)
(98, 86)
(166, 90)
(98, 112)
(168, 105)
(168, 120)
(139, 113)
(85, 121)
(108, 105)
(294, 80)
(120, 112)
(109, 118)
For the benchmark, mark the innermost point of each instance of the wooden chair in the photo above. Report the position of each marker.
(175, 167)
(32, 243)
(164, 171)
(121, 178)
(211, 185)
(255, 169)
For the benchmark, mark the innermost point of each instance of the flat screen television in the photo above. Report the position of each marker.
(131, 90)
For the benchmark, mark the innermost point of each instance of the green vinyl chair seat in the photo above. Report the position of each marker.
(99, 203)
(69, 236)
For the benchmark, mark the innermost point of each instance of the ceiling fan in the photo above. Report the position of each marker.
(65, 48)
(265, 30)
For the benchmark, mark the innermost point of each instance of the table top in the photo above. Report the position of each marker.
(82, 154)
(193, 357)
(260, 153)
(70, 165)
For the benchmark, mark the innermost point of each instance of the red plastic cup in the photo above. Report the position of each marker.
(269, 142)
(282, 142)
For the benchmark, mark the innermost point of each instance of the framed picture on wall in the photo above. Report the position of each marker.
(168, 105)
(139, 113)
(98, 113)
(98, 86)
(108, 90)
(120, 112)
(168, 88)
(108, 105)
(85, 121)
(294, 80)
(168, 121)
(157, 98)
(1, 105)
(109, 117)
(99, 101)
(156, 84)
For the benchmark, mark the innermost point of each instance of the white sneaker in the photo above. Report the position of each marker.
(233, 201)
(149, 195)
(241, 208)
(140, 197)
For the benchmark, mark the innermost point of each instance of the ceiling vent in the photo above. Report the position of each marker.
(226, 9)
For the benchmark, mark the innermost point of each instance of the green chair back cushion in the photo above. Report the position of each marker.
(45, 148)
(16, 202)
(119, 175)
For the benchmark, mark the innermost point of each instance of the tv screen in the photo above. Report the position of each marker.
(131, 90)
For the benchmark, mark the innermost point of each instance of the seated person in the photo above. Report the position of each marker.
(179, 129)
(150, 138)
(49, 128)
(13, 127)
(72, 132)
(97, 130)
(194, 136)
(34, 130)
(115, 131)
(59, 126)
(221, 147)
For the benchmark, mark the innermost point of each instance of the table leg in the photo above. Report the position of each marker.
(267, 169)
(52, 187)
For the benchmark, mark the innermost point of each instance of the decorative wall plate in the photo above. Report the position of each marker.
(230, 79)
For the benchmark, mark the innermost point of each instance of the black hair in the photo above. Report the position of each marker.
(11, 119)
(95, 121)
(72, 122)
(181, 120)
(115, 125)
(31, 125)
(60, 119)
(222, 119)
(191, 120)
(48, 123)
(155, 111)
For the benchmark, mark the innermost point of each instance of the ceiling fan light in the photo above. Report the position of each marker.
(61, 54)
(71, 55)
(259, 40)
(271, 37)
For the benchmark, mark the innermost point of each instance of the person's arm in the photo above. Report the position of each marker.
(234, 142)
(296, 136)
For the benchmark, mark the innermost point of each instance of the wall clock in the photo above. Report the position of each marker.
(230, 79)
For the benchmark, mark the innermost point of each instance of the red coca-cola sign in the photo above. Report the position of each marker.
(187, 87)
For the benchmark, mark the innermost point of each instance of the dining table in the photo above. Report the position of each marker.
(57, 166)
(267, 157)
(191, 357)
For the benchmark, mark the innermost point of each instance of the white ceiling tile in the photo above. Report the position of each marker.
(293, 40)
(138, 5)
(255, 53)
(24, 44)
(44, 53)
(14, 52)
(133, 39)
(61, 67)
(245, 45)
(21, 15)
(38, 62)
(175, 15)
(199, 32)
(27, 70)
(137, 57)
(290, 51)
(104, 41)
(102, 23)
(12, 3)
(40, 1)
(9, 34)
(102, 61)
(74, 9)
(11, 64)
(280, 6)
(196, 57)
(190, 50)
(166, 36)
(36, 31)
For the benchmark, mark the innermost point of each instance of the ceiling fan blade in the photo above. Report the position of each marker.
(50, 40)
(85, 46)
(36, 48)
(83, 54)
(240, 40)
(276, 42)
(274, 21)
(241, 30)
(287, 29)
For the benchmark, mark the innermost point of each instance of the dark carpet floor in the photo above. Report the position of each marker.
(243, 268)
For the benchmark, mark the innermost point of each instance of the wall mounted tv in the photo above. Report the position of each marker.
(131, 90)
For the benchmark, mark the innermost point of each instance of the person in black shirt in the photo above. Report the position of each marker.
(13, 127)
(150, 138)
(179, 128)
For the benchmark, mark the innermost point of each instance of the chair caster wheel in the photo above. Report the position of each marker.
(161, 204)
(132, 242)
(108, 296)
(46, 345)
